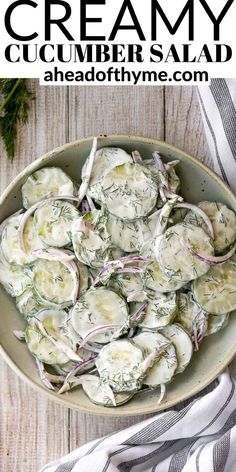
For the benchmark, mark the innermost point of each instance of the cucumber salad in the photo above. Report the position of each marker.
(118, 279)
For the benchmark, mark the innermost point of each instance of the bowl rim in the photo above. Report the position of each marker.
(64, 400)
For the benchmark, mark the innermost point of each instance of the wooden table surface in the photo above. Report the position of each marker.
(33, 429)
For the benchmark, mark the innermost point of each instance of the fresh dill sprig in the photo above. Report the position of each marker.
(14, 108)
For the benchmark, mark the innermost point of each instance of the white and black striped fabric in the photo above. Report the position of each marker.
(199, 435)
(218, 104)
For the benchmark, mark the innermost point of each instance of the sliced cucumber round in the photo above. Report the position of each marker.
(44, 183)
(96, 392)
(105, 160)
(53, 222)
(160, 312)
(216, 323)
(119, 364)
(223, 221)
(155, 279)
(216, 291)
(182, 343)
(91, 242)
(175, 260)
(10, 244)
(129, 191)
(127, 284)
(53, 282)
(164, 368)
(28, 304)
(131, 235)
(98, 307)
(15, 279)
(187, 311)
(54, 321)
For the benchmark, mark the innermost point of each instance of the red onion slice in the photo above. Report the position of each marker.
(85, 208)
(98, 330)
(74, 271)
(79, 366)
(162, 394)
(162, 172)
(53, 254)
(119, 265)
(199, 328)
(153, 356)
(136, 294)
(169, 194)
(91, 203)
(19, 334)
(200, 213)
(85, 183)
(137, 157)
(42, 374)
(158, 161)
(132, 322)
(171, 164)
(164, 216)
(75, 382)
(211, 260)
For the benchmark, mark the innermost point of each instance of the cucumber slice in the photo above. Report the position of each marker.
(160, 312)
(127, 284)
(223, 221)
(187, 311)
(53, 222)
(91, 242)
(119, 364)
(165, 367)
(131, 235)
(42, 348)
(182, 343)
(15, 279)
(105, 160)
(192, 318)
(129, 191)
(98, 307)
(175, 260)
(53, 283)
(216, 291)
(10, 242)
(28, 304)
(155, 279)
(95, 391)
(216, 323)
(44, 183)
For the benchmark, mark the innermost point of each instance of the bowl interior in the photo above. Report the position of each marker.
(198, 183)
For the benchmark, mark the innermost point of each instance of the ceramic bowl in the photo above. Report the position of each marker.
(198, 183)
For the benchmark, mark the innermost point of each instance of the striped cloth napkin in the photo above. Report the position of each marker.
(198, 435)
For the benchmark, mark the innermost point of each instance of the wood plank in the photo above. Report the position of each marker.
(183, 122)
(33, 429)
(95, 110)
(107, 110)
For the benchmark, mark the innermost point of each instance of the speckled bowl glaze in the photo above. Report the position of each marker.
(198, 183)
